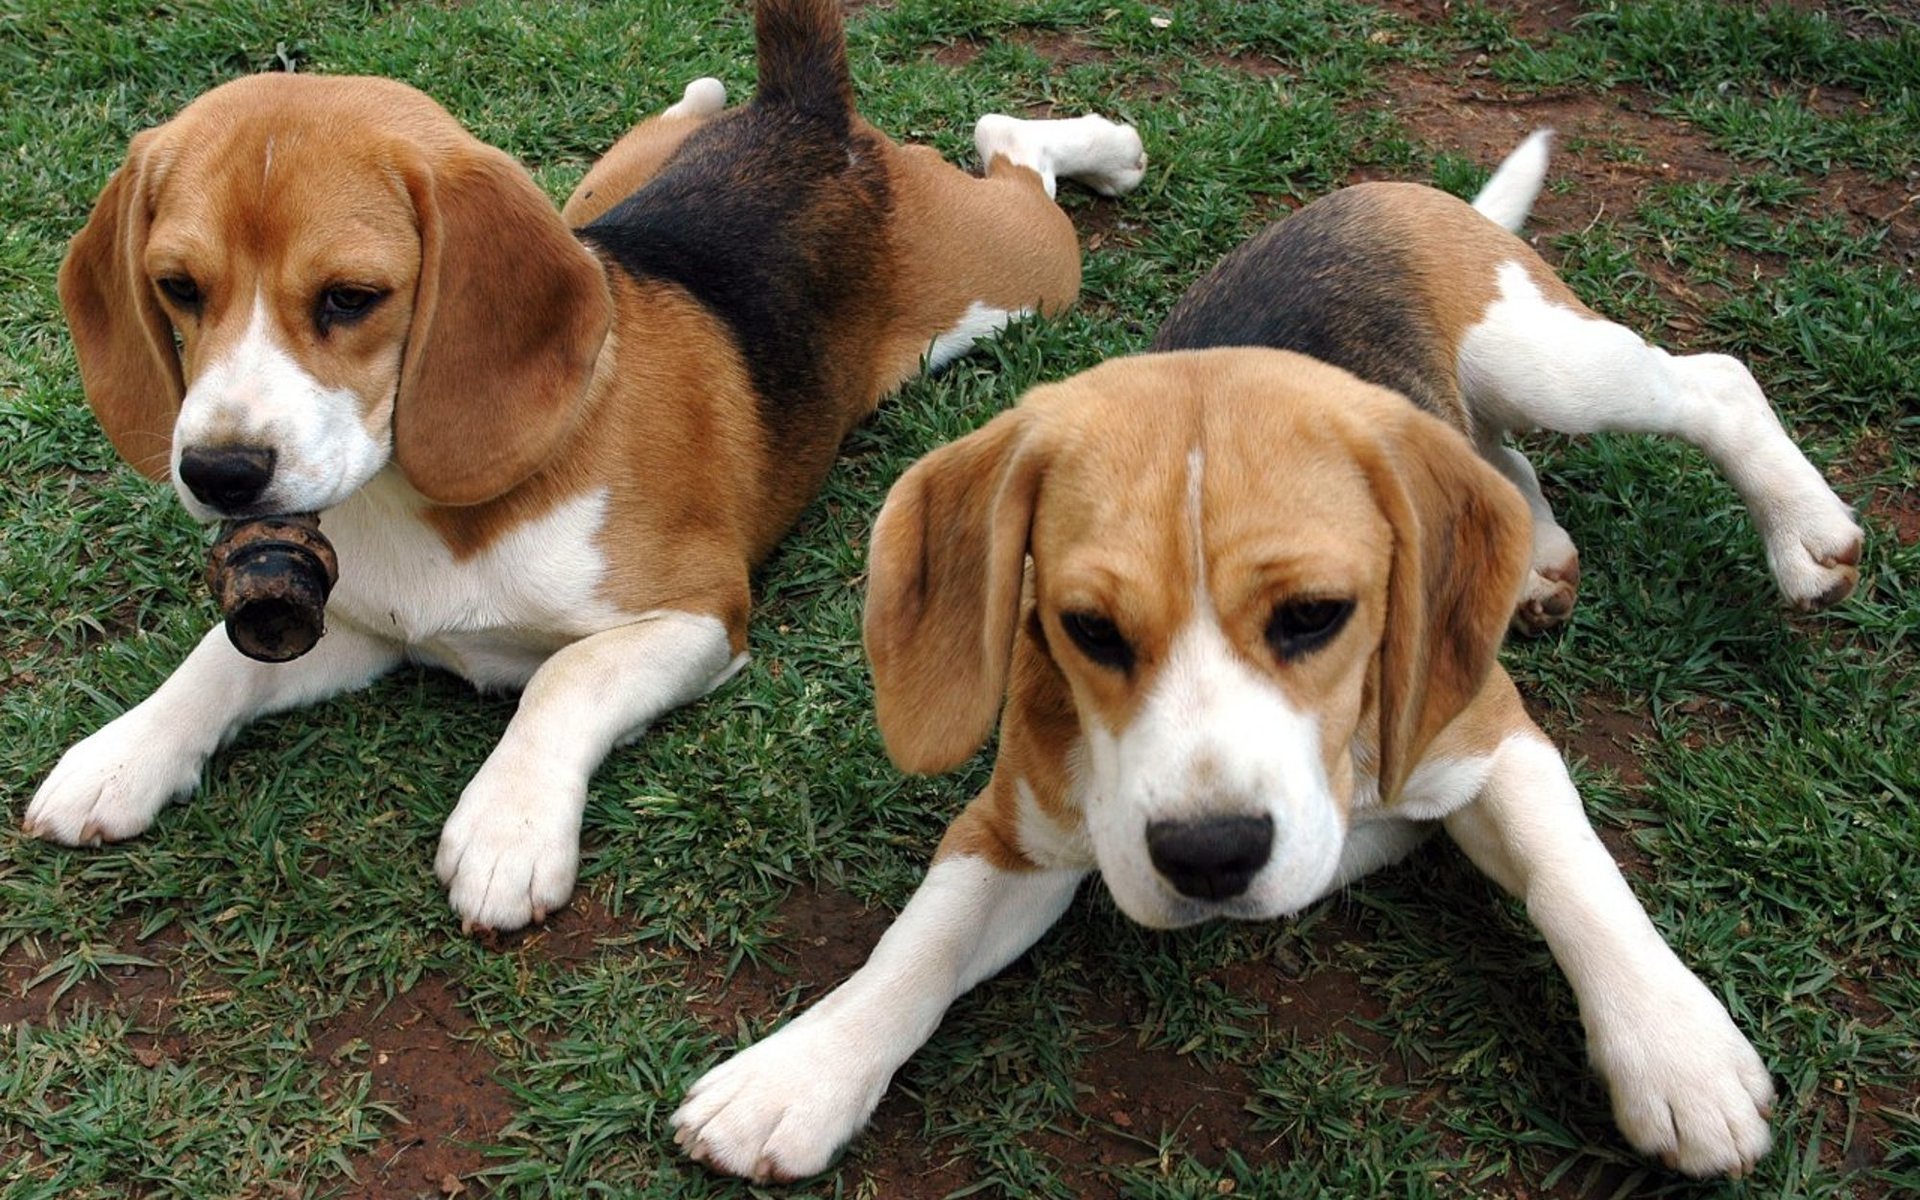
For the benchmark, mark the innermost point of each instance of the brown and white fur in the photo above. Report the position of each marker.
(1243, 609)
(547, 449)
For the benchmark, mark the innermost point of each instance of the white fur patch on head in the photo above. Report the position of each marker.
(326, 442)
(1213, 739)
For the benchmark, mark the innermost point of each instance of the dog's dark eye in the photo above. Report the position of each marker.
(1099, 639)
(180, 289)
(1301, 626)
(344, 305)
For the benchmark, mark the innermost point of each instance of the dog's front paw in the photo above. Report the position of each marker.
(509, 853)
(1687, 1087)
(780, 1110)
(111, 785)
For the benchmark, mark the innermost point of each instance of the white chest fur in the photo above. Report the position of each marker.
(493, 617)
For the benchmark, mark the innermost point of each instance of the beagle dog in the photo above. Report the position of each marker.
(1238, 612)
(548, 446)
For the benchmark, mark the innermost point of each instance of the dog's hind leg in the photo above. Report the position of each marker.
(979, 252)
(1531, 361)
(1090, 150)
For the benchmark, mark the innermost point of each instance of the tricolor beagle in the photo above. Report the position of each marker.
(548, 446)
(1243, 609)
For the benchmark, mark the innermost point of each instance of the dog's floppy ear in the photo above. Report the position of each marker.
(1462, 542)
(943, 591)
(509, 316)
(121, 335)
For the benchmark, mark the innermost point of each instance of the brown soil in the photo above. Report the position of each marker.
(428, 1064)
(145, 995)
(820, 937)
(1606, 734)
(578, 933)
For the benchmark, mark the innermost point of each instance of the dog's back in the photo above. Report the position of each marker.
(1366, 279)
(773, 216)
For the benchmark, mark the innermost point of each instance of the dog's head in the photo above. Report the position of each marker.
(300, 279)
(1264, 584)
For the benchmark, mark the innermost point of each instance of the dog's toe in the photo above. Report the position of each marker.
(1548, 599)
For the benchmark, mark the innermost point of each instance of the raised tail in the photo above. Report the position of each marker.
(1508, 196)
(802, 52)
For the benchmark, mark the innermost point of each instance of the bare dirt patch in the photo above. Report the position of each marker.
(1140, 1103)
(578, 933)
(1603, 732)
(428, 1064)
(1899, 509)
(145, 995)
(820, 937)
(1868, 479)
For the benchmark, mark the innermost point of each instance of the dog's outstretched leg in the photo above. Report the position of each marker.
(111, 785)
(1531, 362)
(1089, 150)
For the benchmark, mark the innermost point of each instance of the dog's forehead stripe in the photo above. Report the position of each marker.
(1196, 469)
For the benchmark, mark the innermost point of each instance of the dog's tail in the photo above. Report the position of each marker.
(1508, 196)
(802, 51)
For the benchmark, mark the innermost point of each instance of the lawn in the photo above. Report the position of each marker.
(267, 996)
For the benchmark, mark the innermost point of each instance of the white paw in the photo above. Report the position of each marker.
(1107, 157)
(1114, 160)
(111, 785)
(1813, 547)
(509, 853)
(782, 1109)
(1687, 1087)
(1547, 600)
(702, 98)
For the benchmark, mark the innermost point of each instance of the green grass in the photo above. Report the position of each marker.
(1770, 811)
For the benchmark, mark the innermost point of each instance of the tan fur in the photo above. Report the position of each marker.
(1315, 485)
(634, 159)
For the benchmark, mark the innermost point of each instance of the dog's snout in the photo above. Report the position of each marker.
(1214, 858)
(228, 478)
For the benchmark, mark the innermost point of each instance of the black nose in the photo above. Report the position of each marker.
(227, 477)
(1211, 859)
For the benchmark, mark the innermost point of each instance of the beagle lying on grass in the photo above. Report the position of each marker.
(1253, 657)
(548, 446)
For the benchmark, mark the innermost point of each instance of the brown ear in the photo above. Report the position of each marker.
(121, 335)
(509, 316)
(943, 592)
(1462, 544)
